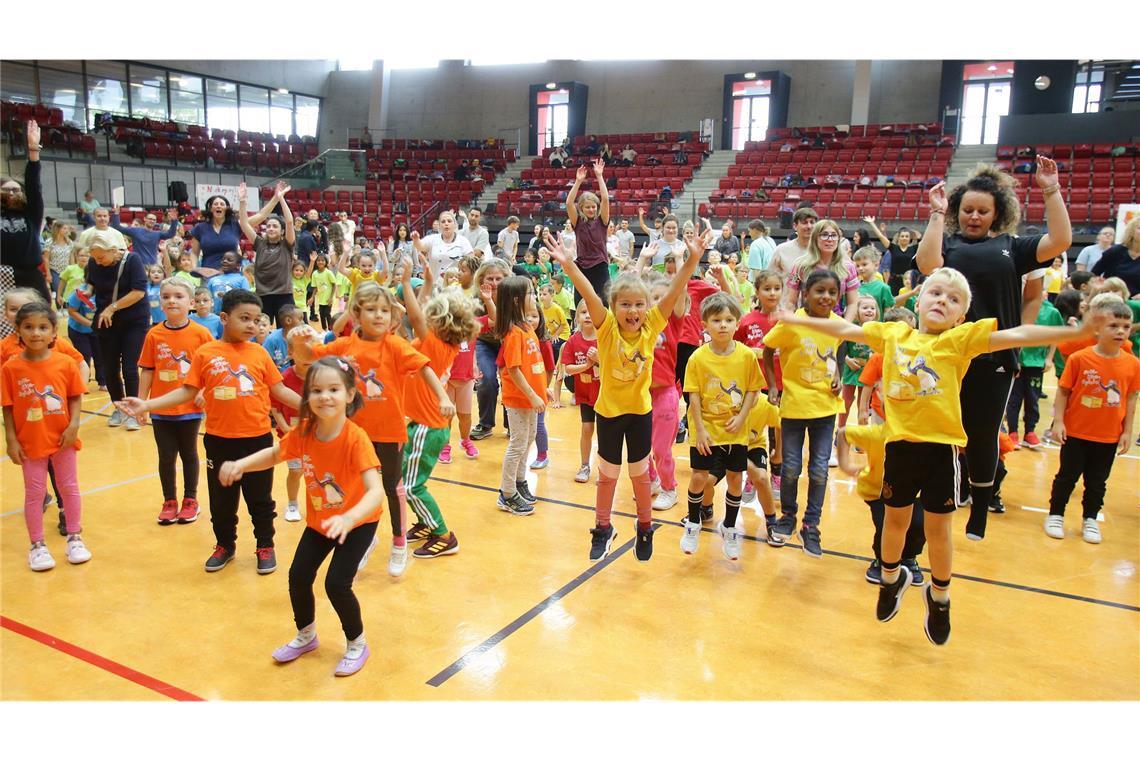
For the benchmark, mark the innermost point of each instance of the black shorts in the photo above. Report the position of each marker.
(929, 469)
(731, 458)
(757, 457)
(635, 430)
(586, 412)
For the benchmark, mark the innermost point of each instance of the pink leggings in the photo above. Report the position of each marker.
(35, 485)
(666, 401)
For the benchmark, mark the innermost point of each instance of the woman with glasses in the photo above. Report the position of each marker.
(824, 253)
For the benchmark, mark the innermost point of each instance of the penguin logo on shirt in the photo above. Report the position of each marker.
(334, 495)
(373, 387)
(245, 380)
(917, 378)
(53, 403)
(821, 364)
(183, 359)
(1112, 393)
(723, 399)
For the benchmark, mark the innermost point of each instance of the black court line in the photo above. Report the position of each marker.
(441, 677)
(829, 552)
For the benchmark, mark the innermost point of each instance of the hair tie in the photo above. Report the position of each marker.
(343, 364)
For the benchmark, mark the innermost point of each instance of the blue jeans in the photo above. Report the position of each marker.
(819, 432)
(487, 389)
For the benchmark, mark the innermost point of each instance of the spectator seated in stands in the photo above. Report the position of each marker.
(592, 146)
(628, 155)
(366, 139)
(558, 157)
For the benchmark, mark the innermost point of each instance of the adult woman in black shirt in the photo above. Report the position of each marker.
(980, 217)
(899, 251)
(121, 318)
(1123, 259)
(23, 214)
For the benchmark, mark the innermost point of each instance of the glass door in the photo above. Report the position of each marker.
(750, 108)
(553, 118)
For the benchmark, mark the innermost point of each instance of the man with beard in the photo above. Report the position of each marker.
(22, 208)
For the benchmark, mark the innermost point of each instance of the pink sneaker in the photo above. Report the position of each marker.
(288, 653)
(347, 667)
(469, 449)
(445, 454)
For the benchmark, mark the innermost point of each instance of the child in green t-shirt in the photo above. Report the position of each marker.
(867, 265)
(71, 276)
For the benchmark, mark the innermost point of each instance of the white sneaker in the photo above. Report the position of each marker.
(368, 553)
(77, 552)
(655, 487)
(665, 500)
(1055, 526)
(117, 418)
(398, 561)
(131, 425)
(292, 512)
(690, 537)
(39, 558)
(1091, 531)
(833, 462)
(731, 540)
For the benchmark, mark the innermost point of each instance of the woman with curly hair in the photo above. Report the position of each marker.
(972, 230)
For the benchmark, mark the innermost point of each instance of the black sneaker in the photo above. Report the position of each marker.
(997, 506)
(266, 560)
(644, 547)
(219, 559)
(706, 514)
(524, 491)
(601, 541)
(916, 577)
(874, 573)
(785, 528)
(515, 504)
(890, 595)
(937, 625)
(62, 524)
(809, 535)
(479, 432)
(770, 529)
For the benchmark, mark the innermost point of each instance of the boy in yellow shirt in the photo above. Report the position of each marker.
(722, 379)
(922, 379)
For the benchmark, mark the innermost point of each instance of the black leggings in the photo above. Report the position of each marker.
(177, 438)
(311, 552)
(121, 344)
(272, 303)
(1079, 457)
(985, 393)
(325, 312)
(636, 430)
(256, 487)
(599, 277)
(390, 466)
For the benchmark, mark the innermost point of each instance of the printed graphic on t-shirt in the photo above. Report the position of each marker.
(1095, 393)
(373, 386)
(51, 402)
(245, 382)
(821, 365)
(629, 365)
(324, 491)
(917, 377)
(720, 399)
(181, 358)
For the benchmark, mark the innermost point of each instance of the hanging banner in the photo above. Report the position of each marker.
(1125, 213)
(203, 192)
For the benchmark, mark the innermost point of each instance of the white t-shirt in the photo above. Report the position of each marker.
(570, 244)
(478, 237)
(625, 242)
(508, 240)
(442, 254)
(665, 248)
(786, 254)
(1088, 256)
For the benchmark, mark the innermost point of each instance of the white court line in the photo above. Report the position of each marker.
(1099, 517)
(94, 490)
(844, 482)
(94, 414)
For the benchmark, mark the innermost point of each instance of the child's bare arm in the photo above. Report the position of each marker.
(1042, 335)
(1126, 432)
(1060, 404)
(285, 395)
(836, 328)
(231, 472)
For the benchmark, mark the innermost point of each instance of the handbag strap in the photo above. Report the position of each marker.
(119, 276)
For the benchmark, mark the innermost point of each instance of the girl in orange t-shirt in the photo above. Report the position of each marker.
(345, 501)
(383, 362)
(165, 360)
(523, 380)
(41, 390)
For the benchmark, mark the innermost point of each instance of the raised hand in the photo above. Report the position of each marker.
(869, 219)
(406, 273)
(243, 192)
(649, 250)
(33, 136)
(171, 214)
(1046, 172)
(282, 189)
(938, 201)
(557, 252)
(599, 166)
(581, 174)
(415, 236)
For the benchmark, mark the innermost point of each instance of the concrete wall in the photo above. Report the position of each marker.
(456, 101)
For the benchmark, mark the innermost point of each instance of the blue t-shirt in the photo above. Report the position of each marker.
(306, 246)
(145, 241)
(85, 309)
(278, 348)
(224, 283)
(213, 244)
(154, 300)
(211, 322)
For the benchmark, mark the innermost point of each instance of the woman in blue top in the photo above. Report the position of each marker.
(217, 233)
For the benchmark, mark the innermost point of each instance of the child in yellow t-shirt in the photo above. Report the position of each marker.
(810, 362)
(627, 336)
(722, 379)
(922, 378)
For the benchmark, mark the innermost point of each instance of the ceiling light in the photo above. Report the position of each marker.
(991, 67)
(750, 75)
(551, 85)
(282, 90)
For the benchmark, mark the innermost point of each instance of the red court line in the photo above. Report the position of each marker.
(91, 658)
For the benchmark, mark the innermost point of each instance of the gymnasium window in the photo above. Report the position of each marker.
(1086, 93)
(553, 117)
(750, 106)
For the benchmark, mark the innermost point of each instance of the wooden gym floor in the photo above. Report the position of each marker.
(521, 614)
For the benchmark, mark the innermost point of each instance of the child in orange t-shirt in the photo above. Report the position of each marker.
(163, 364)
(344, 504)
(1093, 415)
(293, 377)
(440, 327)
(236, 377)
(383, 361)
(523, 380)
(41, 390)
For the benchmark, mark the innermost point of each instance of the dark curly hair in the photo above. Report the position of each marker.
(1000, 186)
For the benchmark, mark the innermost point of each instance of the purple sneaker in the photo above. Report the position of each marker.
(288, 653)
(347, 667)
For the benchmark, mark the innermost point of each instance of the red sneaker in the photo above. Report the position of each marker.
(1032, 441)
(1016, 442)
(189, 511)
(169, 513)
